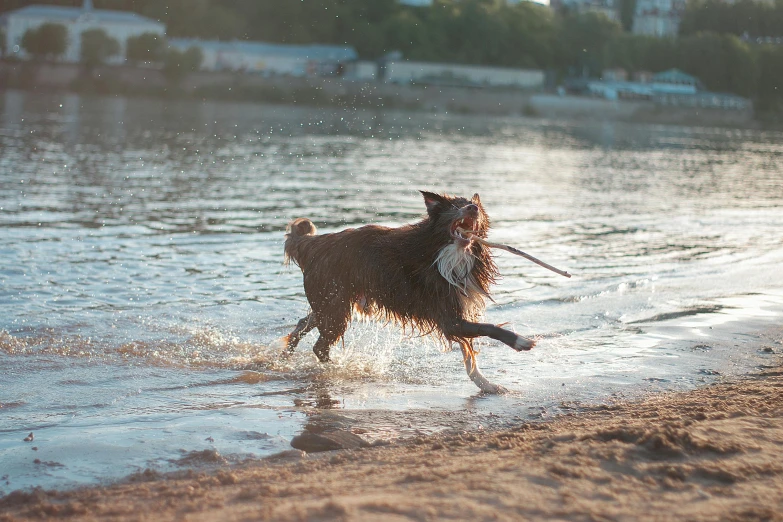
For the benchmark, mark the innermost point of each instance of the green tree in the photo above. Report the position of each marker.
(97, 47)
(147, 47)
(485, 33)
(364, 25)
(706, 15)
(198, 18)
(178, 64)
(642, 53)
(278, 20)
(533, 39)
(222, 23)
(769, 91)
(721, 61)
(45, 41)
(737, 18)
(585, 38)
(405, 31)
(627, 9)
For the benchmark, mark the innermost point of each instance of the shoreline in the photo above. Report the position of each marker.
(325, 92)
(704, 454)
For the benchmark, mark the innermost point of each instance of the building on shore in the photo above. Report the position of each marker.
(270, 58)
(455, 75)
(658, 17)
(667, 88)
(614, 85)
(705, 100)
(609, 8)
(119, 25)
(674, 81)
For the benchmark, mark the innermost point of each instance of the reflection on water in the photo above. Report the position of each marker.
(141, 282)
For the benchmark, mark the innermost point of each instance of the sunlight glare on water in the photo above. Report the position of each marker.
(142, 288)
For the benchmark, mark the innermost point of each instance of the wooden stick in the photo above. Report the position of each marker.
(517, 252)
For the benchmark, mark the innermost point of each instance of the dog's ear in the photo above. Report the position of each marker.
(432, 200)
(475, 199)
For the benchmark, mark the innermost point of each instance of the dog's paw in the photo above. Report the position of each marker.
(280, 345)
(523, 343)
(493, 389)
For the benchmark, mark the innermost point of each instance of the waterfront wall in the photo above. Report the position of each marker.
(130, 81)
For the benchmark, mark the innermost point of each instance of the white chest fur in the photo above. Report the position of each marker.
(455, 264)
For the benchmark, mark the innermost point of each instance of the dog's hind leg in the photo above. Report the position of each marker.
(332, 323)
(302, 328)
(471, 367)
(321, 348)
(328, 337)
(469, 330)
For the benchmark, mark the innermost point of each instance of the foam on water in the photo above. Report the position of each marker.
(142, 290)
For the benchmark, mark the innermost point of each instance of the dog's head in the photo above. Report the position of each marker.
(456, 215)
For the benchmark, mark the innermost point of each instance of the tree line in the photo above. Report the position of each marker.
(717, 41)
(50, 41)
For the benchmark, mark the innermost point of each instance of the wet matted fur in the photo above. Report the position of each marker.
(429, 275)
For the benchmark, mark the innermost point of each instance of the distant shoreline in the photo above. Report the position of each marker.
(346, 93)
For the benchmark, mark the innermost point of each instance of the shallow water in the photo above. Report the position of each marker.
(141, 277)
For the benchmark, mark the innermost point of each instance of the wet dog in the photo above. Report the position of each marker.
(432, 276)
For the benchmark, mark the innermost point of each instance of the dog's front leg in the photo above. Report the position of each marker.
(470, 330)
(472, 369)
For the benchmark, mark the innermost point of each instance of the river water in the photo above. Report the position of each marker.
(141, 276)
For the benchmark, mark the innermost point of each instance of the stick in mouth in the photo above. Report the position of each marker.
(471, 235)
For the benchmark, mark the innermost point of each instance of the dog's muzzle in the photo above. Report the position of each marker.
(465, 222)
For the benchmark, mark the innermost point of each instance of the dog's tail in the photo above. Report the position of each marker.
(296, 230)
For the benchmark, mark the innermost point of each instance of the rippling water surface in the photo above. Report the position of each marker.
(141, 277)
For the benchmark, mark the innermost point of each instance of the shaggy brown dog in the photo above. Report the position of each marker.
(429, 275)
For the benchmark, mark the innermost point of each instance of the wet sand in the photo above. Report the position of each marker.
(709, 454)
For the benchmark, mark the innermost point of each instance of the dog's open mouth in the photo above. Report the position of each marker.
(462, 230)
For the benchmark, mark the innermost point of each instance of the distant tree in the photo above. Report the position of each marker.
(642, 53)
(363, 25)
(533, 39)
(2, 43)
(222, 23)
(488, 32)
(201, 18)
(405, 31)
(737, 18)
(97, 47)
(147, 47)
(721, 61)
(484, 33)
(279, 21)
(627, 51)
(585, 38)
(705, 15)
(46, 41)
(769, 91)
(178, 64)
(627, 10)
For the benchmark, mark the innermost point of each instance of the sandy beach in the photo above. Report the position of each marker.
(707, 454)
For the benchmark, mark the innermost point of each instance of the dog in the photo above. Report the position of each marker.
(432, 276)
